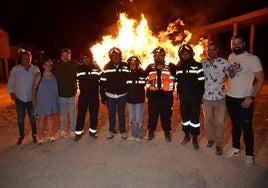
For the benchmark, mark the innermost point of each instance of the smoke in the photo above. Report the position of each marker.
(161, 13)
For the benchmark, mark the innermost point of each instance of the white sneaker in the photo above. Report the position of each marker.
(250, 161)
(232, 153)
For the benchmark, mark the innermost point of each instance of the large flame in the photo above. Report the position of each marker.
(135, 38)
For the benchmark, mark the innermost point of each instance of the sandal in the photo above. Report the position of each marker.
(40, 142)
(51, 139)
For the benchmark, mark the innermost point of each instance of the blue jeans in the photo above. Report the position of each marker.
(136, 116)
(21, 107)
(119, 105)
(67, 104)
(241, 119)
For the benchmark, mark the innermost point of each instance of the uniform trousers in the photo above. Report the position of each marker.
(190, 112)
(160, 107)
(88, 103)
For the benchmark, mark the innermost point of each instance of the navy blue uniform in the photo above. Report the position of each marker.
(160, 87)
(136, 86)
(113, 91)
(89, 78)
(190, 87)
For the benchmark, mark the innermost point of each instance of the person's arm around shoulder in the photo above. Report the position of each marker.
(147, 70)
(75, 63)
(201, 82)
(141, 72)
(37, 78)
(103, 85)
(173, 69)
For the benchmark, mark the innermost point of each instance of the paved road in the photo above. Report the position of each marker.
(127, 164)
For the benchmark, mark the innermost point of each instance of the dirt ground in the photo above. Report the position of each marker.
(128, 163)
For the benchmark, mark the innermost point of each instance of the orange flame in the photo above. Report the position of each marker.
(135, 38)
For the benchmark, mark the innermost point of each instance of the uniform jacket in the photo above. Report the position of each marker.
(88, 77)
(190, 79)
(113, 79)
(160, 83)
(136, 86)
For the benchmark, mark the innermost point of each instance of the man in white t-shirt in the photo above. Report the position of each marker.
(246, 78)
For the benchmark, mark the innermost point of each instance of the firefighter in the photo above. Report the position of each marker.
(160, 86)
(114, 90)
(136, 96)
(190, 88)
(88, 76)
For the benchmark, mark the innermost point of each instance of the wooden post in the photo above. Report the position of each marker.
(6, 68)
(235, 26)
(1, 69)
(251, 43)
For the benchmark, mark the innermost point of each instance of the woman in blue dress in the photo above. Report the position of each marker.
(45, 100)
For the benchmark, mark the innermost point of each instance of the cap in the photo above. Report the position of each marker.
(158, 50)
(133, 59)
(185, 47)
(114, 50)
(85, 53)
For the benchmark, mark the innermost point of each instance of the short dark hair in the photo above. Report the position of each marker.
(24, 52)
(45, 60)
(238, 36)
(65, 50)
(213, 43)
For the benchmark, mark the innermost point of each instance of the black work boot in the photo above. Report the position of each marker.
(93, 135)
(167, 136)
(218, 150)
(195, 142)
(150, 135)
(186, 138)
(77, 137)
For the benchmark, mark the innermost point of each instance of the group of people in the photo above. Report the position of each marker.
(121, 83)
(245, 80)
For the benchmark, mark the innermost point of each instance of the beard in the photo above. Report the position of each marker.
(157, 62)
(187, 60)
(237, 50)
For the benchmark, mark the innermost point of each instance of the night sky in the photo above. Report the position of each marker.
(52, 25)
